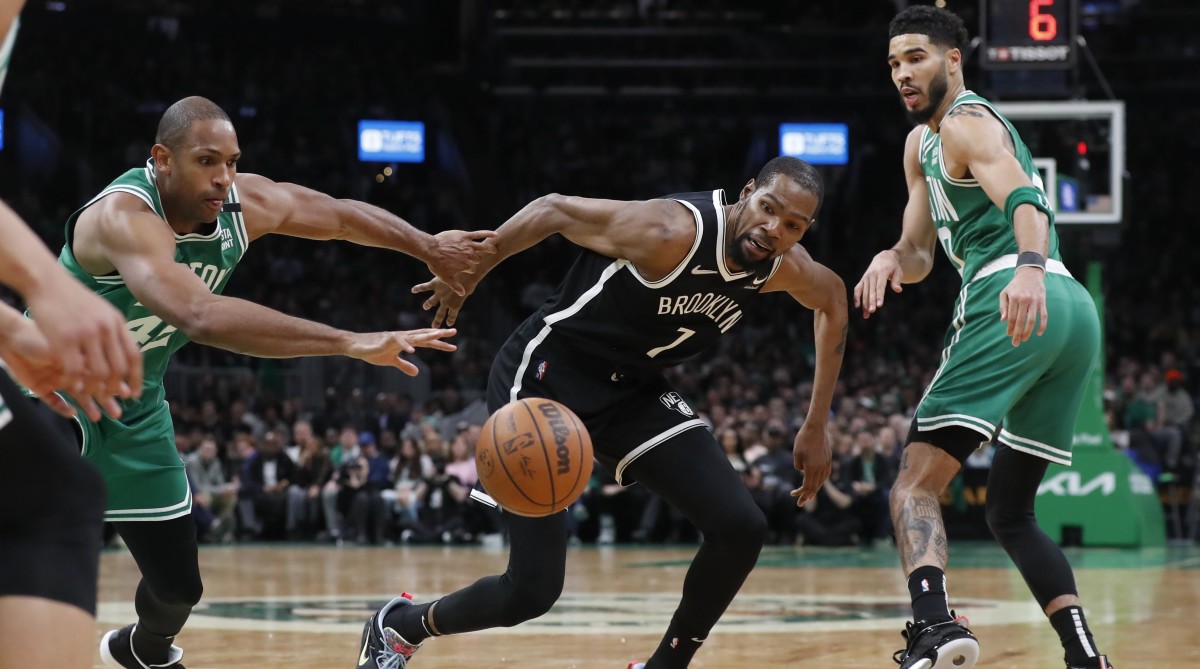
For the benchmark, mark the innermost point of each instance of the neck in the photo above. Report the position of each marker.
(944, 108)
(175, 218)
(731, 211)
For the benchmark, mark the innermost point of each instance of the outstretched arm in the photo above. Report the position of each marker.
(820, 289)
(297, 211)
(979, 141)
(143, 252)
(910, 260)
(638, 231)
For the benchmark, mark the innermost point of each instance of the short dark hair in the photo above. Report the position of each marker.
(173, 126)
(944, 28)
(795, 169)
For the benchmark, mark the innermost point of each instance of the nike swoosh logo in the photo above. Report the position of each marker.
(699, 270)
(759, 282)
(363, 659)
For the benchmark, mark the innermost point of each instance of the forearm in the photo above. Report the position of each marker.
(251, 329)
(915, 262)
(829, 330)
(1031, 227)
(527, 227)
(10, 320)
(26, 265)
(368, 225)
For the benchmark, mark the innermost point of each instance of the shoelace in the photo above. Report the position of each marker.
(389, 657)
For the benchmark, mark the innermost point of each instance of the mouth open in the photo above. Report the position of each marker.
(757, 250)
(214, 204)
(910, 95)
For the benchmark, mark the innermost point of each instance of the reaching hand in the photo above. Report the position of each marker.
(812, 455)
(89, 340)
(1023, 304)
(384, 348)
(447, 300)
(32, 362)
(884, 269)
(456, 251)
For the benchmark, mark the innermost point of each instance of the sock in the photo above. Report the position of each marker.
(1078, 646)
(409, 622)
(151, 648)
(927, 587)
(674, 651)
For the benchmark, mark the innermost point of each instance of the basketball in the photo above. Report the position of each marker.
(534, 457)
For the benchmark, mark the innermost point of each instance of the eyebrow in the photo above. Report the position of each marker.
(779, 203)
(910, 50)
(211, 149)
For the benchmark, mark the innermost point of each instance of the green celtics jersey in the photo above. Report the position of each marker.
(211, 254)
(6, 49)
(973, 231)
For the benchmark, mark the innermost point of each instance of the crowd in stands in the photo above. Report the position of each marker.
(373, 466)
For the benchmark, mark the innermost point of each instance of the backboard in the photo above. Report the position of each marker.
(1080, 148)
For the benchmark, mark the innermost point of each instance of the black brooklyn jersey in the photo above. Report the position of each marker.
(604, 308)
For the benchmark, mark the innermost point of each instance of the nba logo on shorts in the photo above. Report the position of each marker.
(672, 400)
(541, 370)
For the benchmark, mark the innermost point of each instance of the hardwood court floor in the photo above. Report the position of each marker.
(303, 606)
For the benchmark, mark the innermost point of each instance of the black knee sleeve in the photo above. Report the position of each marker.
(51, 506)
(960, 442)
(1012, 489)
(166, 554)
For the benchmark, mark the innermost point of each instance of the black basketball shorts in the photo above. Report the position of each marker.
(51, 505)
(626, 415)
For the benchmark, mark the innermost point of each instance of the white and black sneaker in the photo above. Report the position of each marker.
(383, 647)
(942, 645)
(116, 651)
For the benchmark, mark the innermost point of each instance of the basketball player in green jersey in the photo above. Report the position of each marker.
(160, 244)
(973, 187)
(50, 499)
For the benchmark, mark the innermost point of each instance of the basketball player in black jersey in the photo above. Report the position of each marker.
(658, 282)
(51, 500)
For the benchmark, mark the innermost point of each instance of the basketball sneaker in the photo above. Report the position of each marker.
(636, 665)
(1101, 663)
(944, 645)
(116, 651)
(383, 647)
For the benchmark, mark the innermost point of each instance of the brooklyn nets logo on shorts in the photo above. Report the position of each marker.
(672, 400)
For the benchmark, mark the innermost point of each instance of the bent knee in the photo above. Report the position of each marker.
(529, 600)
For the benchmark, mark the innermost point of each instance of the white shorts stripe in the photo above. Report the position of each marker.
(652, 442)
(556, 317)
(1034, 444)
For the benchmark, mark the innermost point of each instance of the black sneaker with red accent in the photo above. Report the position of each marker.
(941, 645)
(383, 647)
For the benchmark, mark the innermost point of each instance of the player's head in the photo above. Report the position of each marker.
(774, 211)
(925, 53)
(195, 156)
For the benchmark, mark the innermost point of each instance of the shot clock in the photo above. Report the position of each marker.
(1028, 34)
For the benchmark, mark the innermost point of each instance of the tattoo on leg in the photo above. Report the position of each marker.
(921, 520)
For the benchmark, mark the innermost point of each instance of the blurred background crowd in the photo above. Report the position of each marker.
(624, 99)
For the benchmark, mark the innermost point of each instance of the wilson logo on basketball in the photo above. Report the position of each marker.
(561, 432)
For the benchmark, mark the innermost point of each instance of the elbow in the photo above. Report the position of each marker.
(198, 322)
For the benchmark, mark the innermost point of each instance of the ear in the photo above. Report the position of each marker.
(954, 61)
(746, 190)
(162, 157)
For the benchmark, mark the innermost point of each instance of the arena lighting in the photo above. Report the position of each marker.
(391, 141)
